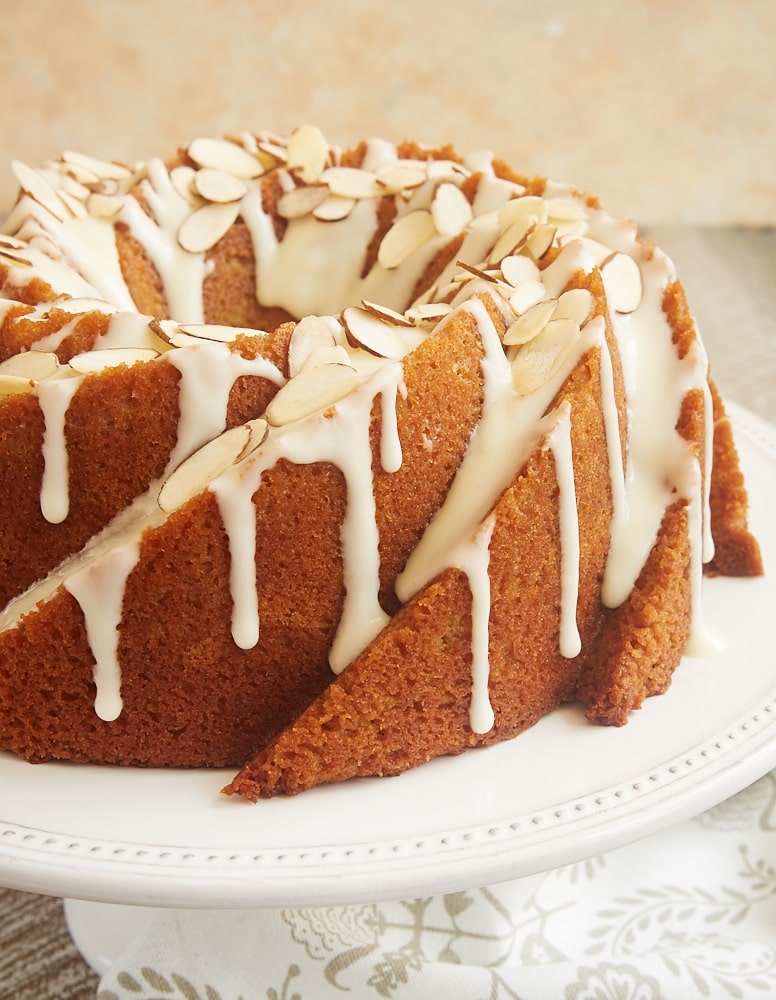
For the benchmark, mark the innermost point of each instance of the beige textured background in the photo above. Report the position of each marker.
(664, 109)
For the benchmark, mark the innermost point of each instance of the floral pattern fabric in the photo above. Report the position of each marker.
(689, 912)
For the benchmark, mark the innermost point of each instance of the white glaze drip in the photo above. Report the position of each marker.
(54, 397)
(99, 589)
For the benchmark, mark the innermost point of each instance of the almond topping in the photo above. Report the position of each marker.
(312, 390)
(218, 186)
(227, 156)
(428, 312)
(194, 474)
(103, 206)
(536, 362)
(352, 182)
(622, 281)
(576, 304)
(112, 357)
(102, 169)
(529, 208)
(33, 365)
(301, 201)
(307, 153)
(15, 259)
(310, 333)
(530, 323)
(516, 268)
(370, 334)
(450, 210)
(183, 181)
(408, 234)
(385, 313)
(526, 295)
(212, 331)
(327, 354)
(205, 226)
(540, 240)
(39, 189)
(334, 208)
(511, 240)
(401, 175)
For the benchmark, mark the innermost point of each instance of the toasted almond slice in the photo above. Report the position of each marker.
(221, 154)
(212, 331)
(540, 240)
(576, 304)
(528, 207)
(401, 175)
(511, 240)
(310, 333)
(428, 313)
(100, 359)
(165, 329)
(206, 226)
(74, 205)
(194, 474)
(312, 390)
(15, 259)
(385, 313)
(12, 242)
(409, 233)
(334, 208)
(446, 168)
(258, 430)
(537, 361)
(302, 200)
(562, 209)
(352, 182)
(450, 209)
(218, 186)
(530, 323)
(183, 181)
(307, 153)
(478, 272)
(622, 281)
(526, 295)
(104, 206)
(370, 334)
(35, 365)
(38, 188)
(103, 169)
(327, 354)
(271, 152)
(15, 385)
(517, 268)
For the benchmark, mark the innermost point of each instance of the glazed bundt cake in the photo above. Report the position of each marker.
(335, 461)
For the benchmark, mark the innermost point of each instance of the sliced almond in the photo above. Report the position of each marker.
(206, 226)
(307, 153)
(334, 208)
(327, 354)
(352, 182)
(212, 331)
(401, 175)
(104, 206)
(526, 295)
(446, 168)
(258, 430)
(218, 185)
(528, 208)
(530, 323)
(537, 361)
(312, 390)
(103, 169)
(576, 304)
(74, 205)
(451, 210)
(478, 272)
(517, 268)
(385, 313)
(409, 233)
(183, 181)
(194, 474)
(512, 239)
(371, 334)
(428, 312)
(14, 259)
(15, 385)
(101, 359)
(562, 209)
(35, 365)
(540, 240)
(302, 201)
(221, 154)
(38, 188)
(309, 334)
(622, 281)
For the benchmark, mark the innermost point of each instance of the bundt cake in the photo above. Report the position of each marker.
(335, 461)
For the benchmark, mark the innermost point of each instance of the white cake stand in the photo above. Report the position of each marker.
(110, 838)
